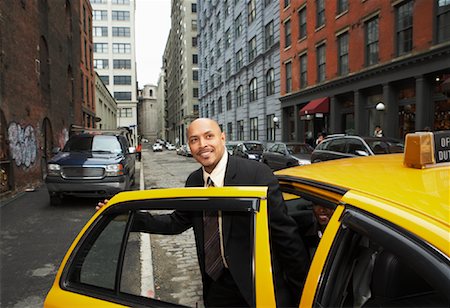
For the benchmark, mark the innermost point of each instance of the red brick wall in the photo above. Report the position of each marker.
(25, 99)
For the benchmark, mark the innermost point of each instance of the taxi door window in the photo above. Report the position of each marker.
(372, 263)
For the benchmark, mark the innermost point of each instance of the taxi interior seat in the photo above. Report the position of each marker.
(394, 284)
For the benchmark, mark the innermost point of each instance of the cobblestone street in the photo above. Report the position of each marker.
(175, 267)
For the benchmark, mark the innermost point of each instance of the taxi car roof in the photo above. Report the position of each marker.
(385, 177)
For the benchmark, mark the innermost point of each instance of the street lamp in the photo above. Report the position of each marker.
(380, 106)
(276, 121)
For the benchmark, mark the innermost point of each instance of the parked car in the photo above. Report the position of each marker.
(157, 147)
(170, 147)
(249, 149)
(385, 243)
(344, 146)
(89, 165)
(184, 150)
(230, 145)
(283, 155)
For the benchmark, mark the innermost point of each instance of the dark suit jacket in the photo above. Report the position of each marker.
(289, 256)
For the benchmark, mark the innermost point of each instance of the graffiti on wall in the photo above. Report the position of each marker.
(63, 137)
(22, 144)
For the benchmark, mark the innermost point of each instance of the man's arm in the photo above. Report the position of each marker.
(174, 223)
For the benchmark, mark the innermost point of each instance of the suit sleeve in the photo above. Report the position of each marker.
(286, 242)
(174, 223)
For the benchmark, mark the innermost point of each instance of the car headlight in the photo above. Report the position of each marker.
(114, 170)
(252, 156)
(302, 162)
(54, 169)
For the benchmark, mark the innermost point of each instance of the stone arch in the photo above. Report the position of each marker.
(47, 145)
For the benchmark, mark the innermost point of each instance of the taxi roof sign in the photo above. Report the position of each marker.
(425, 149)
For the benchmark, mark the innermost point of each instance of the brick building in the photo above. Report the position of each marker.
(347, 66)
(40, 84)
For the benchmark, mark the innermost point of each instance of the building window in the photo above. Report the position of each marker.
(194, 41)
(240, 130)
(195, 59)
(101, 47)
(229, 101)
(287, 33)
(238, 26)
(121, 2)
(372, 41)
(320, 14)
(342, 6)
(219, 75)
(230, 130)
(122, 64)
(194, 24)
(302, 23)
(239, 60)
(219, 51)
(105, 79)
(270, 82)
(270, 131)
(404, 22)
(443, 21)
(343, 53)
(100, 15)
(207, 111)
(122, 96)
(267, 2)
(252, 49)
(121, 31)
(288, 68)
(195, 92)
(228, 69)
(269, 35)
(253, 90)
(125, 113)
(303, 70)
(122, 80)
(100, 31)
(213, 111)
(101, 63)
(254, 129)
(193, 7)
(287, 3)
(239, 96)
(194, 75)
(321, 61)
(227, 38)
(226, 8)
(251, 8)
(219, 105)
(121, 48)
(120, 15)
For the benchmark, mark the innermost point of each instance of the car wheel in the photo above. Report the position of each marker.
(55, 200)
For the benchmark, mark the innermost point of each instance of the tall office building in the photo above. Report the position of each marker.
(115, 55)
(181, 70)
(239, 67)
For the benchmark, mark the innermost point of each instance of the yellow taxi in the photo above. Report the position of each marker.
(386, 241)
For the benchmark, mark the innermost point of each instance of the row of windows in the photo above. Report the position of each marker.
(117, 64)
(125, 112)
(117, 47)
(118, 80)
(115, 15)
(116, 31)
(113, 1)
(122, 96)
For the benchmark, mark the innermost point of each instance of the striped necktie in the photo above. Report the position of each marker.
(213, 259)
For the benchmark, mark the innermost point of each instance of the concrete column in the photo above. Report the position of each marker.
(361, 117)
(297, 135)
(424, 103)
(335, 116)
(390, 101)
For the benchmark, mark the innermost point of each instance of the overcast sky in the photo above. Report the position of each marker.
(152, 31)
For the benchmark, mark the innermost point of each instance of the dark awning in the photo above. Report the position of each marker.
(320, 105)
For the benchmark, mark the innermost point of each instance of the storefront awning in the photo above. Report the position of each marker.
(320, 105)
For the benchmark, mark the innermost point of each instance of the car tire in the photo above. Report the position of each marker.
(56, 200)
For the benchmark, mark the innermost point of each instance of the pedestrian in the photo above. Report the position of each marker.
(320, 137)
(229, 284)
(378, 131)
(139, 151)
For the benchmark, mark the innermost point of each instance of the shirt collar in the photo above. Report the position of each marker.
(218, 173)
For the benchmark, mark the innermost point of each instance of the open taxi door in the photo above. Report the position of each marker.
(103, 267)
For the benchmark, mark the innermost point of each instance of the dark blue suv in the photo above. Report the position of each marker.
(91, 165)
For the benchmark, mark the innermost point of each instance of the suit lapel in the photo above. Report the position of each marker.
(230, 180)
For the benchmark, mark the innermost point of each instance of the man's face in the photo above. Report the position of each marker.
(323, 214)
(207, 142)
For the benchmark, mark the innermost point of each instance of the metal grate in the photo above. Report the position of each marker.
(83, 172)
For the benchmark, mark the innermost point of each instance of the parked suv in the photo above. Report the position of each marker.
(343, 146)
(91, 165)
